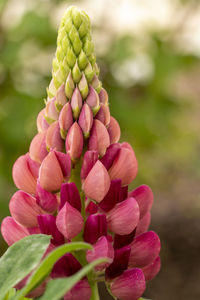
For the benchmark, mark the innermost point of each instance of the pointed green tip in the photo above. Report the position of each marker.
(75, 49)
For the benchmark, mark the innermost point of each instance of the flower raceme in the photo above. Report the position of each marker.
(73, 182)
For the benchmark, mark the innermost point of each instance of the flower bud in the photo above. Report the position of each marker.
(103, 115)
(51, 112)
(96, 83)
(97, 183)
(86, 120)
(50, 175)
(80, 290)
(47, 225)
(42, 124)
(99, 139)
(22, 175)
(95, 227)
(103, 96)
(129, 286)
(102, 248)
(144, 249)
(69, 193)
(24, 209)
(120, 262)
(110, 155)
(12, 231)
(114, 130)
(74, 142)
(143, 224)
(69, 221)
(93, 100)
(46, 200)
(65, 119)
(152, 269)
(76, 103)
(69, 86)
(123, 240)
(124, 217)
(60, 97)
(65, 163)
(144, 197)
(89, 160)
(53, 138)
(112, 197)
(37, 149)
(124, 167)
(83, 86)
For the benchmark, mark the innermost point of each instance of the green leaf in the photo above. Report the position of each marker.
(46, 265)
(20, 259)
(59, 287)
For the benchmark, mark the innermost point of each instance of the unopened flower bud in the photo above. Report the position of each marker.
(53, 137)
(103, 96)
(114, 130)
(83, 86)
(51, 112)
(144, 197)
(42, 124)
(74, 142)
(93, 100)
(69, 86)
(65, 164)
(86, 120)
(69, 221)
(60, 97)
(65, 119)
(97, 183)
(46, 200)
(103, 115)
(76, 103)
(110, 155)
(37, 149)
(99, 139)
(89, 160)
(96, 83)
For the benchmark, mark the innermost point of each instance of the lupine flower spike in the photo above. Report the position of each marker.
(73, 182)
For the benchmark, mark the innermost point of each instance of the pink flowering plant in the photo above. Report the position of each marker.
(73, 220)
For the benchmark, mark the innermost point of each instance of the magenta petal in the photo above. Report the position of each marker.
(144, 249)
(69, 221)
(47, 224)
(69, 193)
(112, 197)
(120, 262)
(130, 285)
(143, 224)
(152, 269)
(95, 227)
(66, 266)
(65, 164)
(123, 240)
(102, 248)
(144, 197)
(46, 200)
(91, 208)
(81, 290)
(111, 153)
(12, 231)
(89, 160)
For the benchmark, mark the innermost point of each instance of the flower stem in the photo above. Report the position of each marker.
(95, 291)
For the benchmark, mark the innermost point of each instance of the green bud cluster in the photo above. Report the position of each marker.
(75, 61)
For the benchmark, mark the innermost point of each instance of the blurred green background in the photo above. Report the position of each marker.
(148, 52)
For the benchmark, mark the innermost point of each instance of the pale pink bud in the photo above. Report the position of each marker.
(37, 149)
(152, 269)
(22, 175)
(81, 290)
(24, 209)
(60, 96)
(89, 159)
(53, 137)
(76, 103)
(65, 164)
(46, 200)
(103, 96)
(33, 166)
(86, 120)
(144, 197)
(93, 100)
(97, 183)
(129, 286)
(69, 221)
(74, 142)
(51, 111)
(65, 119)
(50, 174)
(143, 224)
(103, 115)
(99, 139)
(42, 124)
(124, 217)
(144, 249)
(12, 231)
(114, 130)
(124, 167)
(102, 248)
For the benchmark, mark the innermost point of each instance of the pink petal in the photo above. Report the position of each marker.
(12, 231)
(99, 138)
